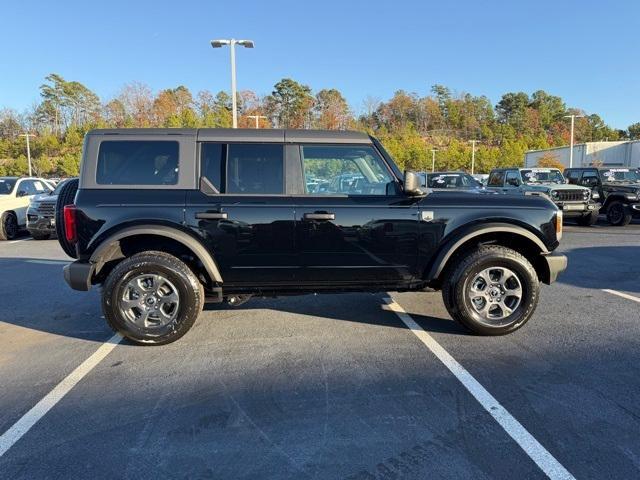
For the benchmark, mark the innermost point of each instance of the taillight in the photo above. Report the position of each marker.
(559, 225)
(70, 231)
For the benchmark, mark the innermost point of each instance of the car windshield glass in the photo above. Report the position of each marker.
(56, 191)
(542, 175)
(620, 175)
(6, 185)
(450, 180)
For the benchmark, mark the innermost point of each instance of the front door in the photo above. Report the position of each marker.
(242, 214)
(353, 226)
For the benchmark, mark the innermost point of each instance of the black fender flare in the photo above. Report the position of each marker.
(450, 247)
(615, 197)
(185, 239)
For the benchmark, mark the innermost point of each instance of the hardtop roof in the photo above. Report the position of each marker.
(261, 135)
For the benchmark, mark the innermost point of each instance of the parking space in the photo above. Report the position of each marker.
(331, 386)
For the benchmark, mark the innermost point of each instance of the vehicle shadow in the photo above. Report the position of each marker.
(616, 267)
(35, 296)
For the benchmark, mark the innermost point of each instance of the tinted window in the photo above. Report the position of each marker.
(496, 179)
(344, 169)
(573, 176)
(513, 179)
(137, 163)
(255, 169)
(212, 162)
(589, 178)
(6, 185)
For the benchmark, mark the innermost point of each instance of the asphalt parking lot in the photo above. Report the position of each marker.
(319, 387)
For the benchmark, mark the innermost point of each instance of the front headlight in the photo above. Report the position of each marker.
(554, 194)
(34, 205)
(585, 195)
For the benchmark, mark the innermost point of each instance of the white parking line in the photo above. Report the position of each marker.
(621, 294)
(547, 463)
(40, 409)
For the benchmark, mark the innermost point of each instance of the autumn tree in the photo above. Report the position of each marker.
(550, 160)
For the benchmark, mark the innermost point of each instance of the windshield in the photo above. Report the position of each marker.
(6, 185)
(56, 191)
(451, 180)
(620, 175)
(542, 175)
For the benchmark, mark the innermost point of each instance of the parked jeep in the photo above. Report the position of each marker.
(618, 187)
(575, 201)
(15, 195)
(168, 219)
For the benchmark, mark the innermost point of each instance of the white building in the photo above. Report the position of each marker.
(607, 154)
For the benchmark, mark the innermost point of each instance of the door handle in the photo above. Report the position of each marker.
(212, 215)
(319, 216)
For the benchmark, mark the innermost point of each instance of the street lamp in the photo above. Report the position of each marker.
(473, 154)
(573, 120)
(27, 135)
(433, 159)
(232, 42)
(257, 117)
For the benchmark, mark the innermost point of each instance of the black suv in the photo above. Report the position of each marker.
(168, 219)
(618, 187)
(451, 181)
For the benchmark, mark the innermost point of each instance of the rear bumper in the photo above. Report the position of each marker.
(78, 275)
(556, 264)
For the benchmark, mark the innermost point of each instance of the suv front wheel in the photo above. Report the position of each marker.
(492, 291)
(618, 214)
(152, 298)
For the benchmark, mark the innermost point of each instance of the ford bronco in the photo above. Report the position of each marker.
(168, 219)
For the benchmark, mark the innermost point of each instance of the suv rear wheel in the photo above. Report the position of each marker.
(8, 226)
(152, 298)
(618, 214)
(492, 291)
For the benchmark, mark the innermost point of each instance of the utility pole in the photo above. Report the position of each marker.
(433, 159)
(573, 121)
(257, 117)
(27, 135)
(473, 155)
(232, 42)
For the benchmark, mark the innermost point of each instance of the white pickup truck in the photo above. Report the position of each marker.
(15, 195)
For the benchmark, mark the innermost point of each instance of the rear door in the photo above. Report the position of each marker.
(242, 212)
(353, 225)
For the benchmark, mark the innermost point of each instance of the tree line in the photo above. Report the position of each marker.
(414, 128)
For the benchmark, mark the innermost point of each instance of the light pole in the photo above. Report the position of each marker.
(232, 42)
(433, 159)
(573, 120)
(27, 135)
(473, 155)
(257, 117)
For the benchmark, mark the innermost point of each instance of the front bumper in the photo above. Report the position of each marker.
(556, 264)
(39, 223)
(636, 207)
(78, 275)
(577, 209)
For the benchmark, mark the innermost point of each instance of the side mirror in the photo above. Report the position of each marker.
(22, 193)
(412, 182)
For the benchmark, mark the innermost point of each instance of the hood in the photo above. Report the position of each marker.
(43, 197)
(553, 186)
(622, 187)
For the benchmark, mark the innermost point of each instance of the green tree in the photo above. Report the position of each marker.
(290, 104)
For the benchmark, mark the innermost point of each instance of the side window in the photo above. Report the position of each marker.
(573, 176)
(513, 178)
(27, 186)
(138, 162)
(496, 179)
(255, 169)
(589, 179)
(344, 170)
(212, 156)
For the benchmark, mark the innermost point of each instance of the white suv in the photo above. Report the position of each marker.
(15, 195)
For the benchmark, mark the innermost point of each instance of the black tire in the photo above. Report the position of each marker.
(618, 214)
(188, 288)
(457, 285)
(588, 220)
(8, 226)
(40, 236)
(66, 197)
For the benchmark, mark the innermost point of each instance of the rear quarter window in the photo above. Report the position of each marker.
(138, 162)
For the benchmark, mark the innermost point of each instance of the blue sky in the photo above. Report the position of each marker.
(585, 51)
